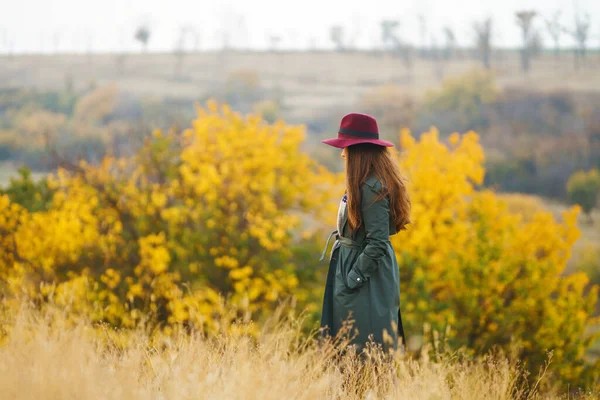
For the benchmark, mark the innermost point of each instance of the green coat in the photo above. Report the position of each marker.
(363, 277)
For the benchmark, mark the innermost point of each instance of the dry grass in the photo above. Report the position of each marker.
(49, 357)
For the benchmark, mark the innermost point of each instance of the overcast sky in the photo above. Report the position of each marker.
(108, 25)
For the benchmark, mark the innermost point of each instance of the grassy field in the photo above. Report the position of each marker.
(67, 360)
(310, 81)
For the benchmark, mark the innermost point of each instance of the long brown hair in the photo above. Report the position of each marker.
(365, 159)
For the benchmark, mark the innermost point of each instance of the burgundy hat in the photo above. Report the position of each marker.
(357, 128)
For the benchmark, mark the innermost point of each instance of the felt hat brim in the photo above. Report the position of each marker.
(340, 143)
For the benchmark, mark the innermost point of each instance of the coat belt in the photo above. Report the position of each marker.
(347, 242)
(344, 241)
(327, 244)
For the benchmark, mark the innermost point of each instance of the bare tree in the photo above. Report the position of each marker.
(274, 41)
(7, 42)
(554, 29)
(528, 34)
(185, 32)
(225, 40)
(234, 32)
(580, 34)
(241, 32)
(224, 34)
(292, 35)
(142, 35)
(4, 42)
(11, 47)
(338, 37)
(423, 34)
(450, 42)
(56, 41)
(179, 54)
(392, 42)
(483, 44)
(389, 36)
(277, 67)
(438, 62)
(90, 47)
(195, 35)
(582, 29)
(179, 51)
(356, 32)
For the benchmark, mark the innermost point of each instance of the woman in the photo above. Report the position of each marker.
(363, 281)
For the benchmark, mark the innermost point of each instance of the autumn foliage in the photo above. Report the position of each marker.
(481, 274)
(208, 211)
(222, 221)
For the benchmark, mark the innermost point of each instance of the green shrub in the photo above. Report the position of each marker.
(583, 189)
(462, 100)
(34, 196)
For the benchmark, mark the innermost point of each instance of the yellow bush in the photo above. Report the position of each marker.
(477, 272)
(216, 206)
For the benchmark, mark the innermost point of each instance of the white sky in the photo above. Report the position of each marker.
(108, 25)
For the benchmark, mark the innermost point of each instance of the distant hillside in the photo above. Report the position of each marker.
(308, 81)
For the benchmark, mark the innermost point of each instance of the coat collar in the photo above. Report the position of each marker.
(372, 181)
